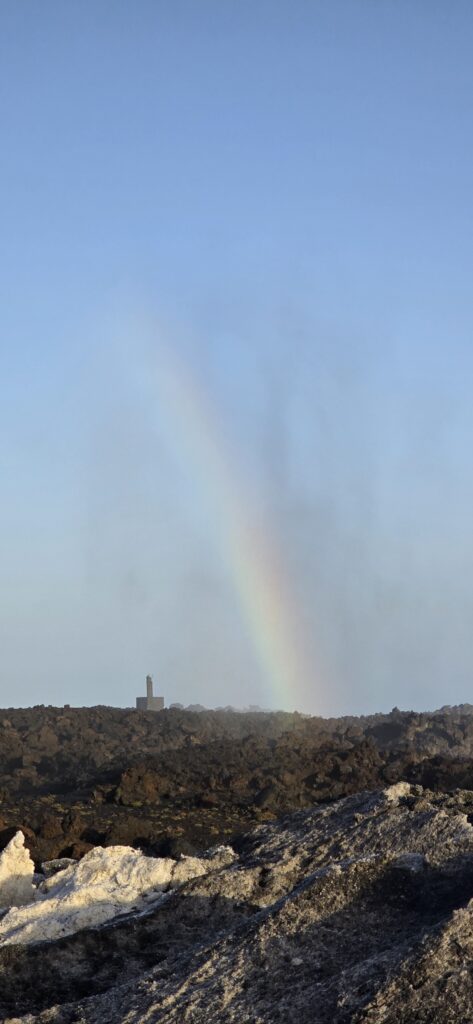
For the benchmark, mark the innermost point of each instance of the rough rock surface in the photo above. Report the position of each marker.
(98, 888)
(357, 911)
(178, 781)
(16, 873)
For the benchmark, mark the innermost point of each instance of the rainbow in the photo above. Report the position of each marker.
(248, 549)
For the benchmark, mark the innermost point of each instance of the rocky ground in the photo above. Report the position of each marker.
(179, 781)
(354, 911)
(344, 896)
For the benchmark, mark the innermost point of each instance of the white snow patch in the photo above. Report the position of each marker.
(105, 883)
(16, 873)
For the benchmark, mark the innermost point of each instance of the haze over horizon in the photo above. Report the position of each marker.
(236, 353)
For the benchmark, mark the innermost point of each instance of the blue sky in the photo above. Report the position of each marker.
(281, 193)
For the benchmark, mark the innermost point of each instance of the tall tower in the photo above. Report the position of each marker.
(149, 703)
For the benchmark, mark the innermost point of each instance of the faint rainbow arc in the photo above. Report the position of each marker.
(249, 551)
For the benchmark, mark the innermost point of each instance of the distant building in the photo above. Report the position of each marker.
(149, 703)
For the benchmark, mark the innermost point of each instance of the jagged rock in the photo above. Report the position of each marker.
(105, 883)
(16, 873)
(51, 867)
(357, 911)
(239, 769)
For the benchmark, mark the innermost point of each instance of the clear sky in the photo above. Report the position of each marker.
(271, 199)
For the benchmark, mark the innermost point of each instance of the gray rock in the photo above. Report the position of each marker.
(357, 911)
(51, 867)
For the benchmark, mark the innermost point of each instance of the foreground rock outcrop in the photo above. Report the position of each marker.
(16, 873)
(103, 885)
(357, 911)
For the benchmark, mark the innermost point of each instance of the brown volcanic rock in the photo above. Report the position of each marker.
(205, 776)
(140, 784)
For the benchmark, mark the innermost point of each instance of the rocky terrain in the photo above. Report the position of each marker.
(177, 781)
(218, 866)
(349, 912)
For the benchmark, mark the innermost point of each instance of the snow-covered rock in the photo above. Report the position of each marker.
(16, 873)
(105, 883)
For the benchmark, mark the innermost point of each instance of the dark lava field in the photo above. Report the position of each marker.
(179, 781)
